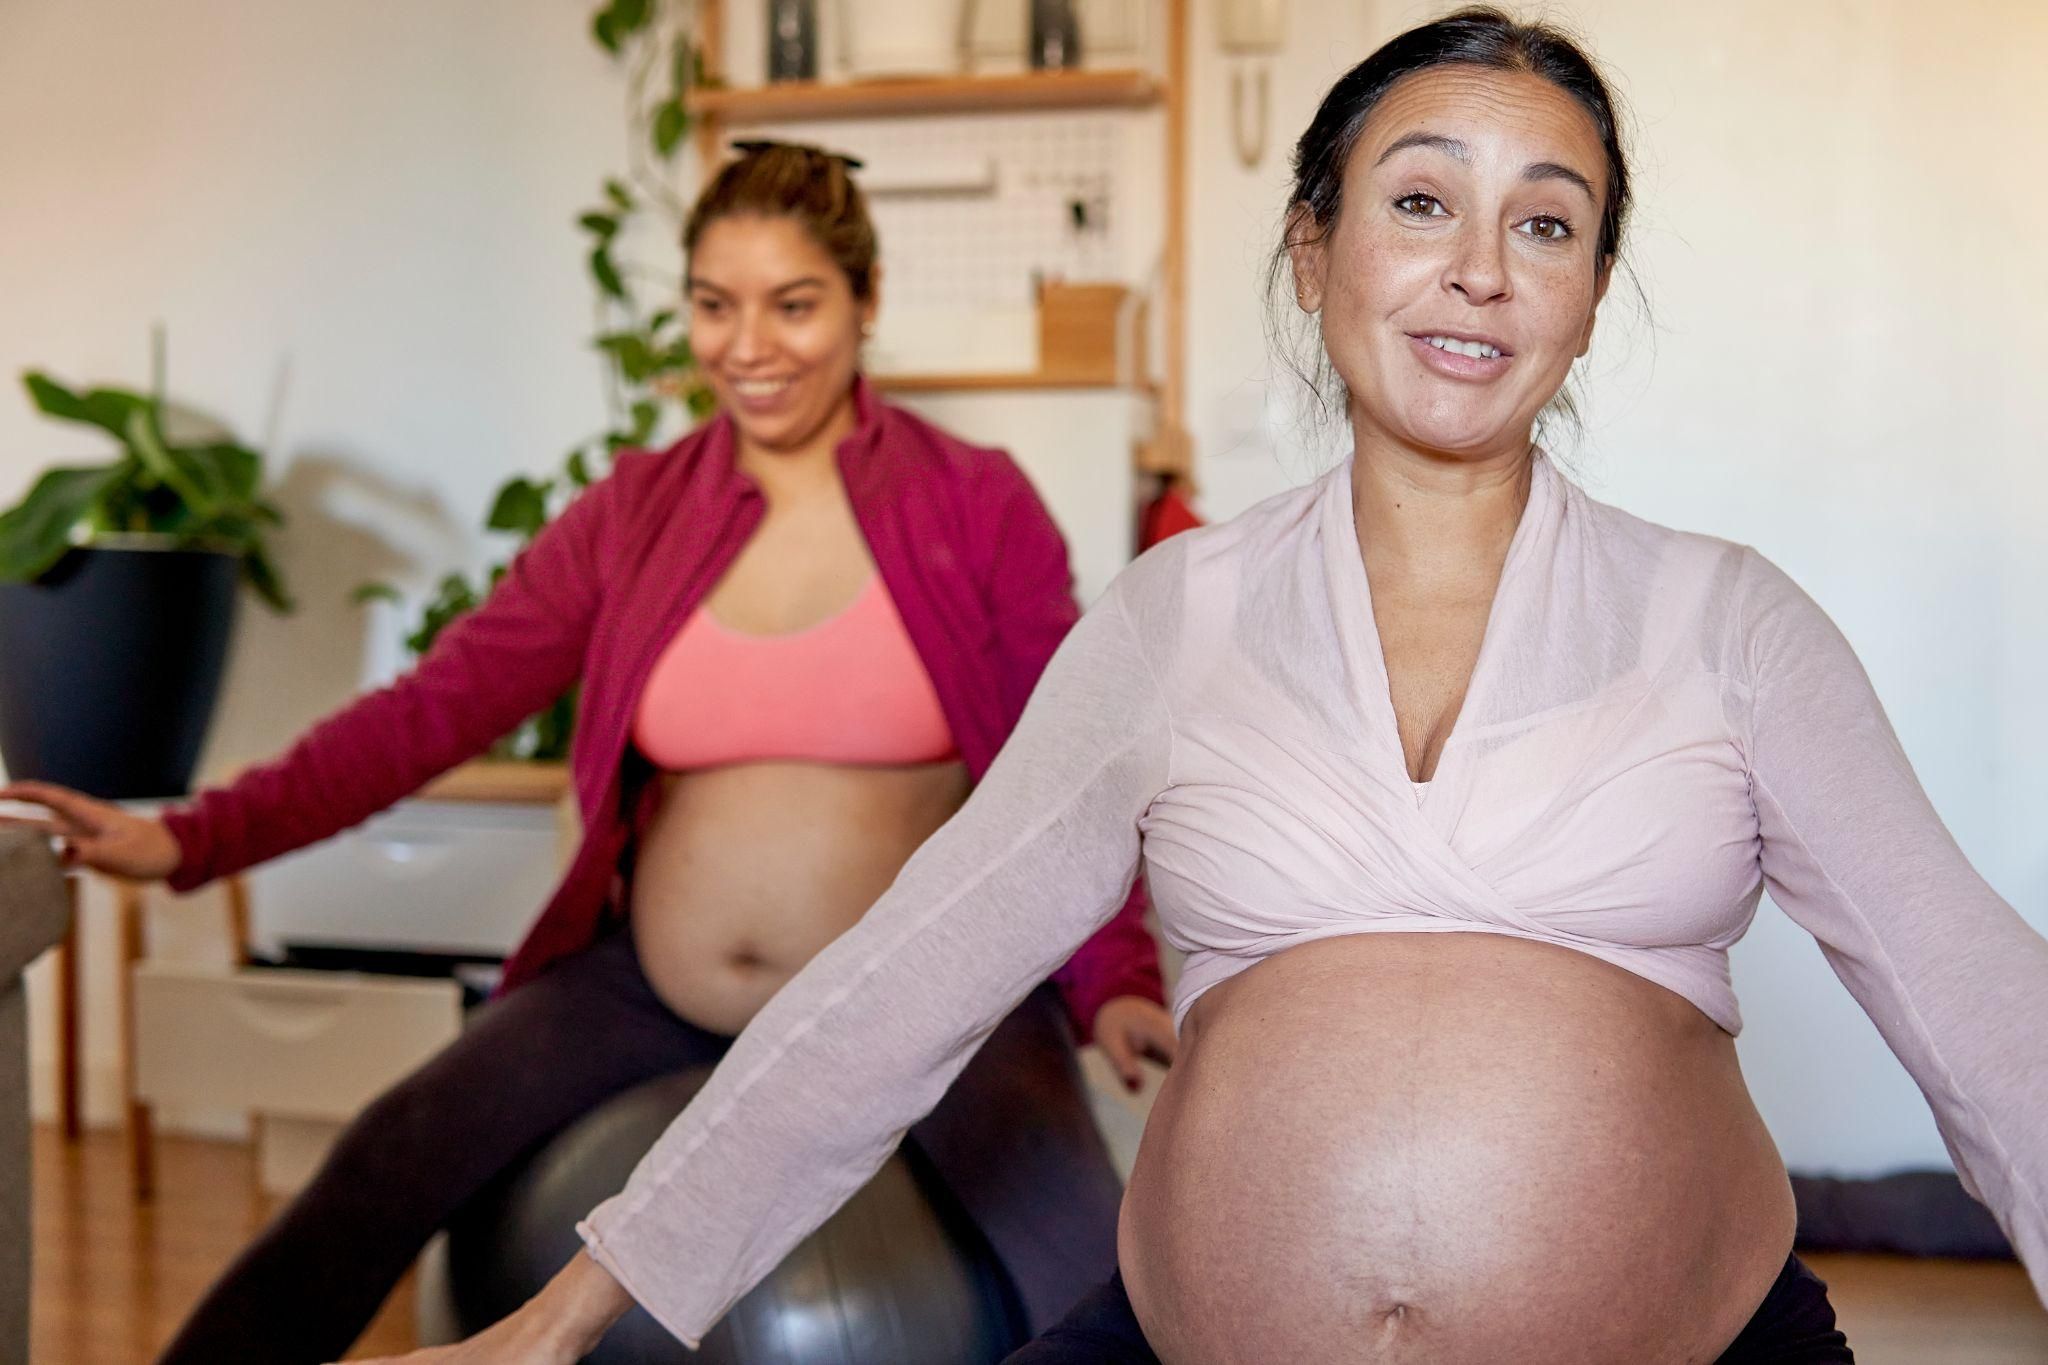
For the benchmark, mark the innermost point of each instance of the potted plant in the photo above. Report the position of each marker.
(117, 597)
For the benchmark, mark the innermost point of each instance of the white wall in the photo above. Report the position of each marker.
(357, 221)
(1841, 215)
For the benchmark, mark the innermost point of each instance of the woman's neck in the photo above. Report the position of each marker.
(1425, 512)
(804, 465)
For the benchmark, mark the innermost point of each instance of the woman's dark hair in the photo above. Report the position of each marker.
(1477, 36)
(808, 184)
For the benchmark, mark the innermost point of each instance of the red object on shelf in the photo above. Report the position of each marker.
(1167, 515)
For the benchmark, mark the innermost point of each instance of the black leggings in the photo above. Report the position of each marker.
(1794, 1326)
(1013, 1142)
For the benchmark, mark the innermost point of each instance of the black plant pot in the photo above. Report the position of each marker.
(110, 665)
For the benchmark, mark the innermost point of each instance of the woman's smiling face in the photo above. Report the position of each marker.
(1461, 276)
(774, 326)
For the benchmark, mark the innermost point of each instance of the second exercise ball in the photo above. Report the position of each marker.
(895, 1277)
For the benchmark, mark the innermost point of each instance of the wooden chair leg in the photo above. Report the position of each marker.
(68, 1060)
(237, 892)
(140, 1125)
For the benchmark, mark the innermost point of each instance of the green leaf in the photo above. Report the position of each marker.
(452, 599)
(671, 121)
(175, 473)
(35, 533)
(235, 471)
(606, 274)
(366, 593)
(660, 320)
(630, 16)
(645, 415)
(261, 574)
(703, 402)
(635, 359)
(605, 226)
(621, 197)
(108, 409)
(682, 64)
(602, 29)
(522, 506)
(579, 469)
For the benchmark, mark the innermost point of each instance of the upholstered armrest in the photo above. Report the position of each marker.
(34, 911)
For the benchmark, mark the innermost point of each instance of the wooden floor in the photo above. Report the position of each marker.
(113, 1279)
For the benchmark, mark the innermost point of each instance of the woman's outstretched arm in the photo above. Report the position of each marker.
(1853, 851)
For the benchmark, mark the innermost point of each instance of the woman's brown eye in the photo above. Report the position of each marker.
(1420, 205)
(1549, 229)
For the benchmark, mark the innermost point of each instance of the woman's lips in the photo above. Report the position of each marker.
(761, 395)
(1456, 364)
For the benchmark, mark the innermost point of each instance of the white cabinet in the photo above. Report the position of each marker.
(426, 876)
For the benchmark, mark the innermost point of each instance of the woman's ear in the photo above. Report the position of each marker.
(1307, 256)
(869, 308)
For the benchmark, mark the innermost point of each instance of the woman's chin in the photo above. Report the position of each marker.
(1465, 440)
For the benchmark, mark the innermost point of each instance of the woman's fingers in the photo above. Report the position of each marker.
(1123, 1058)
(77, 807)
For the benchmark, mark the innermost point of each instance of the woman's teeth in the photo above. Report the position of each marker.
(759, 388)
(1479, 350)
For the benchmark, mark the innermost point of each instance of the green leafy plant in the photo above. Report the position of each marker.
(199, 494)
(651, 379)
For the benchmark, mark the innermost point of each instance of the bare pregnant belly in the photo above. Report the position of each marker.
(747, 871)
(1450, 1148)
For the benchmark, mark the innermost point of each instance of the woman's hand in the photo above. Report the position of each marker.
(98, 834)
(558, 1326)
(1129, 1027)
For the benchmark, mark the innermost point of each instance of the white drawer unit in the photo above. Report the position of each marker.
(430, 876)
(304, 1045)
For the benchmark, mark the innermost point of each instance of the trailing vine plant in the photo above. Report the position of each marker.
(651, 382)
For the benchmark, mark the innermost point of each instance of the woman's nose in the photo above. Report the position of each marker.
(1478, 271)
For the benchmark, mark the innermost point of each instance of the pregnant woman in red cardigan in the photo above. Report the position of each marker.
(801, 635)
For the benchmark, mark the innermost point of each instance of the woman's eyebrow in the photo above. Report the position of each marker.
(1458, 151)
(1550, 170)
(1449, 146)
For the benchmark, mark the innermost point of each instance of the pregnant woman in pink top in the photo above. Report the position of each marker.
(1456, 786)
(801, 635)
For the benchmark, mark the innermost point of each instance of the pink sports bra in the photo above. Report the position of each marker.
(850, 689)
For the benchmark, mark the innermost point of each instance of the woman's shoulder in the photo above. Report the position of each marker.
(905, 435)
(1213, 570)
(1745, 602)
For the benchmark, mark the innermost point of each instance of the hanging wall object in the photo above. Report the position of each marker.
(1252, 30)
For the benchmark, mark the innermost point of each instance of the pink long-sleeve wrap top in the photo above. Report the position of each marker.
(1659, 726)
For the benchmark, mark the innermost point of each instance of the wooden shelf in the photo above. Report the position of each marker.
(500, 780)
(935, 95)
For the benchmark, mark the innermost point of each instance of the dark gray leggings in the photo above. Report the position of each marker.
(1013, 1142)
(1795, 1325)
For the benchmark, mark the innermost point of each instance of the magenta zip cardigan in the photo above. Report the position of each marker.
(967, 551)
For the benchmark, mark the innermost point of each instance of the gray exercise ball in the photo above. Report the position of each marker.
(896, 1277)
